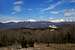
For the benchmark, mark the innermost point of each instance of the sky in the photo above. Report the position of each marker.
(19, 10)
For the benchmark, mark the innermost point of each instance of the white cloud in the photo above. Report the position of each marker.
(51, 18)
(5, 19)
(55, 12)
(69, 12)
(52, 6)
(12, 21)
(31, 20)
(17, 8)
(56, 20)
(18, 2)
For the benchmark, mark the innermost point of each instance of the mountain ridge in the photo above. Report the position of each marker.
(39, 24)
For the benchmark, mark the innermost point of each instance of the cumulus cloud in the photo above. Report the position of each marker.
(52, 6)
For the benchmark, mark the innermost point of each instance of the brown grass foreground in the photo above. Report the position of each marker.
(62, 38)
(66, 46)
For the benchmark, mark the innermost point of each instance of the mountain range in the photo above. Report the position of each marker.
(25, 24)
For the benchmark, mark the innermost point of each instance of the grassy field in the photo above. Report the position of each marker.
(43, 47)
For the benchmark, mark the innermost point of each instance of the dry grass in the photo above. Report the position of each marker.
(51, 47)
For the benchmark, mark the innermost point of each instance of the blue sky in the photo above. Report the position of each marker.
(34, 9)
